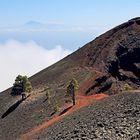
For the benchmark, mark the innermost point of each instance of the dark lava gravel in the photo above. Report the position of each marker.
(114, 118)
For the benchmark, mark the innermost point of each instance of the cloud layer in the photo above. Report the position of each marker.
(26, 59)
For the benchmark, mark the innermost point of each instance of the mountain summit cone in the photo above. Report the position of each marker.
(115, 54)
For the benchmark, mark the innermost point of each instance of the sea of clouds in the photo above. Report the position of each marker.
(25, 58)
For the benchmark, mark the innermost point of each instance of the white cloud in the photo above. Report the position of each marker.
(26, 59)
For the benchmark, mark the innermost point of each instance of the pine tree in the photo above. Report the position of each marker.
(48, 96)
(56, 107)
(22, 85)
(72, 87)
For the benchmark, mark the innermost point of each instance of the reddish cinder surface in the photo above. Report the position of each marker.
(81, 101)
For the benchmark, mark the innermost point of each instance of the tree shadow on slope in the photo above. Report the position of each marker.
(65, 110)
(62, 112)
(13, 107)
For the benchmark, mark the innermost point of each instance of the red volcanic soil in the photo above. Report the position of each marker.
(81, 101)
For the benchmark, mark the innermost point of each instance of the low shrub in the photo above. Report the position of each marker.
(127, 87)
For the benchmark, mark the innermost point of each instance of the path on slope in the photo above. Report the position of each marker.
(81, 101)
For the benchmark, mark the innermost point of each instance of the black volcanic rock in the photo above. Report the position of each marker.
(114, 118)
(116, 55)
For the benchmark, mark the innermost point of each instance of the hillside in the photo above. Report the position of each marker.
(103, 65)
(116, 117)
(115, 54)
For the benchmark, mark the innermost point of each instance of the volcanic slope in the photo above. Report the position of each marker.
(116, 55)
(114, 118)
(109, 61)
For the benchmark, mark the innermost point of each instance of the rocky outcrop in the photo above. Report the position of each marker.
(117, 56)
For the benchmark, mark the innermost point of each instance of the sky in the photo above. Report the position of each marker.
(34, 34)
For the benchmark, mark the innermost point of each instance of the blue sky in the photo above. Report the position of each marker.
(45, 31)
(78, 21)
(83, 12)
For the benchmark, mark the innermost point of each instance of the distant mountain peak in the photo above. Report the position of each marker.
(33, 23)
